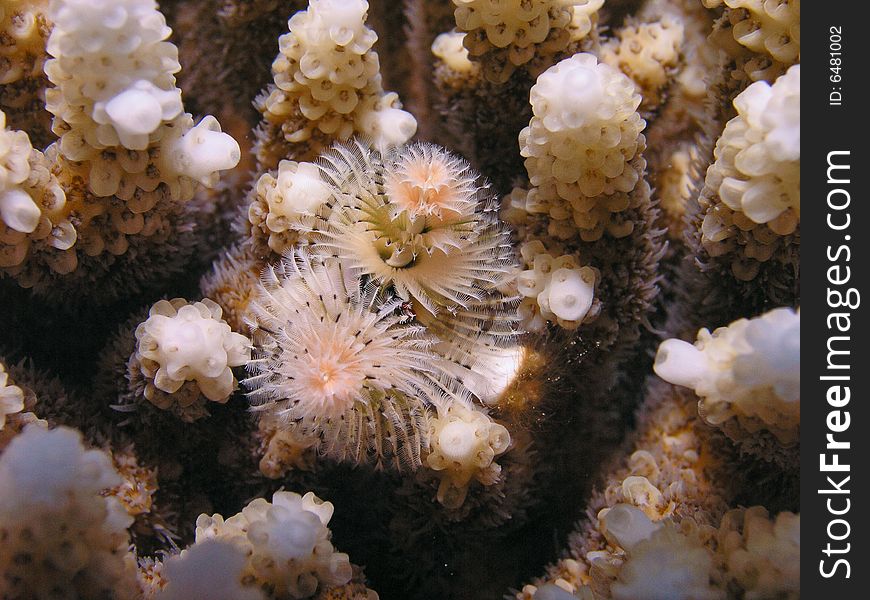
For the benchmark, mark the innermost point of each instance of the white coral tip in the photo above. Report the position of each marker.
(342, 18)
(628, 525)
(570, 296)
(680, 363)
(458, 441)
(389, 127)
(18, 211)
(211, 570)
(138, 111)
(204, 150)
(448, 47)
(301, 190)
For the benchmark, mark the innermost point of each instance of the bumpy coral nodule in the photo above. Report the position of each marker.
(127, 159)
(751, 194)
(583, 146)
(286, 543)
(60, 535)
(505, 35)
(11, 397)
(211, 570)
(465, 444)
(186, 353)
(554, 289)
(32, 203)
(747, 374)
(767, 35)
(328, 86)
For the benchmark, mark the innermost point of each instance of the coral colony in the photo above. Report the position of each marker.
(526, 326)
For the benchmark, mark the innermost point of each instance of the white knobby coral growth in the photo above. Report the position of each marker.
(328, 83)
(662, 562)
(772, 30)
(455, 74)
(32, 202)
(16, 408)
(506, 34)
(60, 536)
(186, 352)
(448, 47)
(762, 554)
(752, 191)
(464, 445)
(554, 289)
(582, 148)
(115, 88)
(11, 397)
(648, 53)
(286, 541)
(21, 42)
(747, 374)
(282, 202)
(123, 135)
(208, 570)
(337, 359)
(418, 220)
(23, 31)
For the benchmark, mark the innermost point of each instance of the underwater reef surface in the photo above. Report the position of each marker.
(426, 299)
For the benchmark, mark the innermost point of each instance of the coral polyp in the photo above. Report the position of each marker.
(188, 346)
(349, 299)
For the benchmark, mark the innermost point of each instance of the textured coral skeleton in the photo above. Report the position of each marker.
(432, 299)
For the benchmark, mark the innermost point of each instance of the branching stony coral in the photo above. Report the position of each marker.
(17, 403)
(128, 158)
(186, 352)
(23, 31)
(485, 343)
(320, 94)
(283, 201)
(286, 543)
(685, 574)
(747, 376)
(761, 553)
(464, 445)
(11, 397)
(60, 534)
(210, 570)
(762, 37)
(507, 35)
(32, 203)
(751, 195)
(582, 147)
(660, 494)
(646, 52)
(554, 289)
